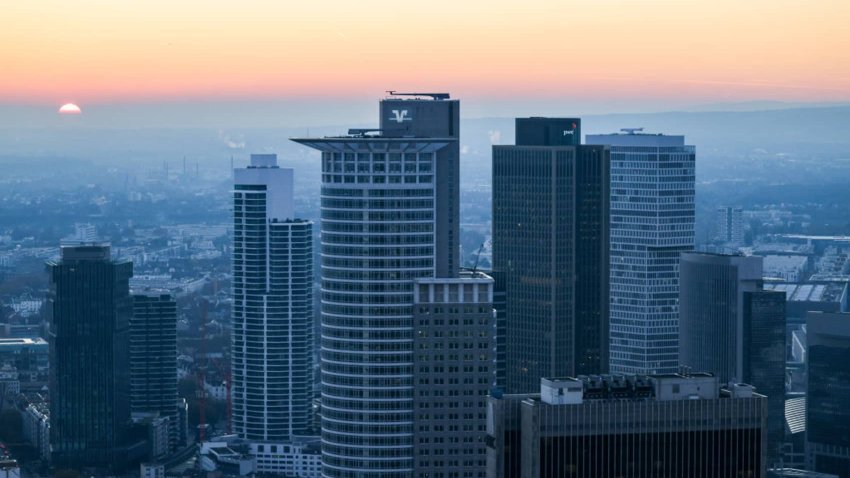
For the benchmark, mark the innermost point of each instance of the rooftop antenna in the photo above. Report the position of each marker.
(434, 96)
(631, 130)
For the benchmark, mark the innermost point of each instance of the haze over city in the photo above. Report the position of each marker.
(395, 239)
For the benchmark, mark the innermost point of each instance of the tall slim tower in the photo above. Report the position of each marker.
(389, 216)
(550, 240)
(90, 306)
(272, 338)
(652, 223)
(828, 396)
(153, 360)
(731, 327)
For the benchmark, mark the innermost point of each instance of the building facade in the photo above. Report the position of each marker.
(389, 215)
(272, 337)
(454, 340)
(609, 426)
(28, 359)
(731, 327)
(153, 361)
(652, 222)
(828, 396)
(550, 240)
(90, 308)
(730, 225)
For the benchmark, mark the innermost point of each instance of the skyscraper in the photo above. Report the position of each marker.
(454, 343)
(90, 306)
(550, 240)
(389, 216)
(730, 225)
(828, 400)
(272, 338)
(153, 360)
(652, 222)
(729, 326)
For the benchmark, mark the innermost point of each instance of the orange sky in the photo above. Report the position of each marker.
(99, 51)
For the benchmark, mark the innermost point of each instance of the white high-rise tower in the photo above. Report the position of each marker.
(389, 216)
(272, 338)
(652, 223)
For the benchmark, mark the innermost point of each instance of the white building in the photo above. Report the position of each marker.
(390, 215)
(730, 225)
(35, 421)
(272, 338)
(298, 459)
(151, 470)
(652, 223)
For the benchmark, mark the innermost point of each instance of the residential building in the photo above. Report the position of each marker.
(730, 225)
(272, 337)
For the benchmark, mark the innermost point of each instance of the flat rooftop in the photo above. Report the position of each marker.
(809, 292)
(20, 342)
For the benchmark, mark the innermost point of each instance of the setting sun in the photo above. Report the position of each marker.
(69, 109)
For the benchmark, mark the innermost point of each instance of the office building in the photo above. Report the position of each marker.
(272, 337)
(454, 342)
(652, 222)
(500, 305)
(730, 226)
(27, 359)
(828, 398)
(764, 360)
(609, 426)
(729, 326)
(550, 240)
(153, 362)
(90, 307)
(389, 215)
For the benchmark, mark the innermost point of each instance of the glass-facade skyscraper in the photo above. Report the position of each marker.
(153, 359)
(550, 240)
(389, 207)
(652, 223)
(828, 395)
(272, 337)
(90, 307)
(731, 327)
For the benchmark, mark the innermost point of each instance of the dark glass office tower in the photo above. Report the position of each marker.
(550, 240)
(153, 360)
(729, 326)
(389, 216)
(828, 400)
(764, 359)
(90, 306)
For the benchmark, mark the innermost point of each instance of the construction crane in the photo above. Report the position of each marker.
(477, 257)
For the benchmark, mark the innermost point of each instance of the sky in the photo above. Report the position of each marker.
(592, 55)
